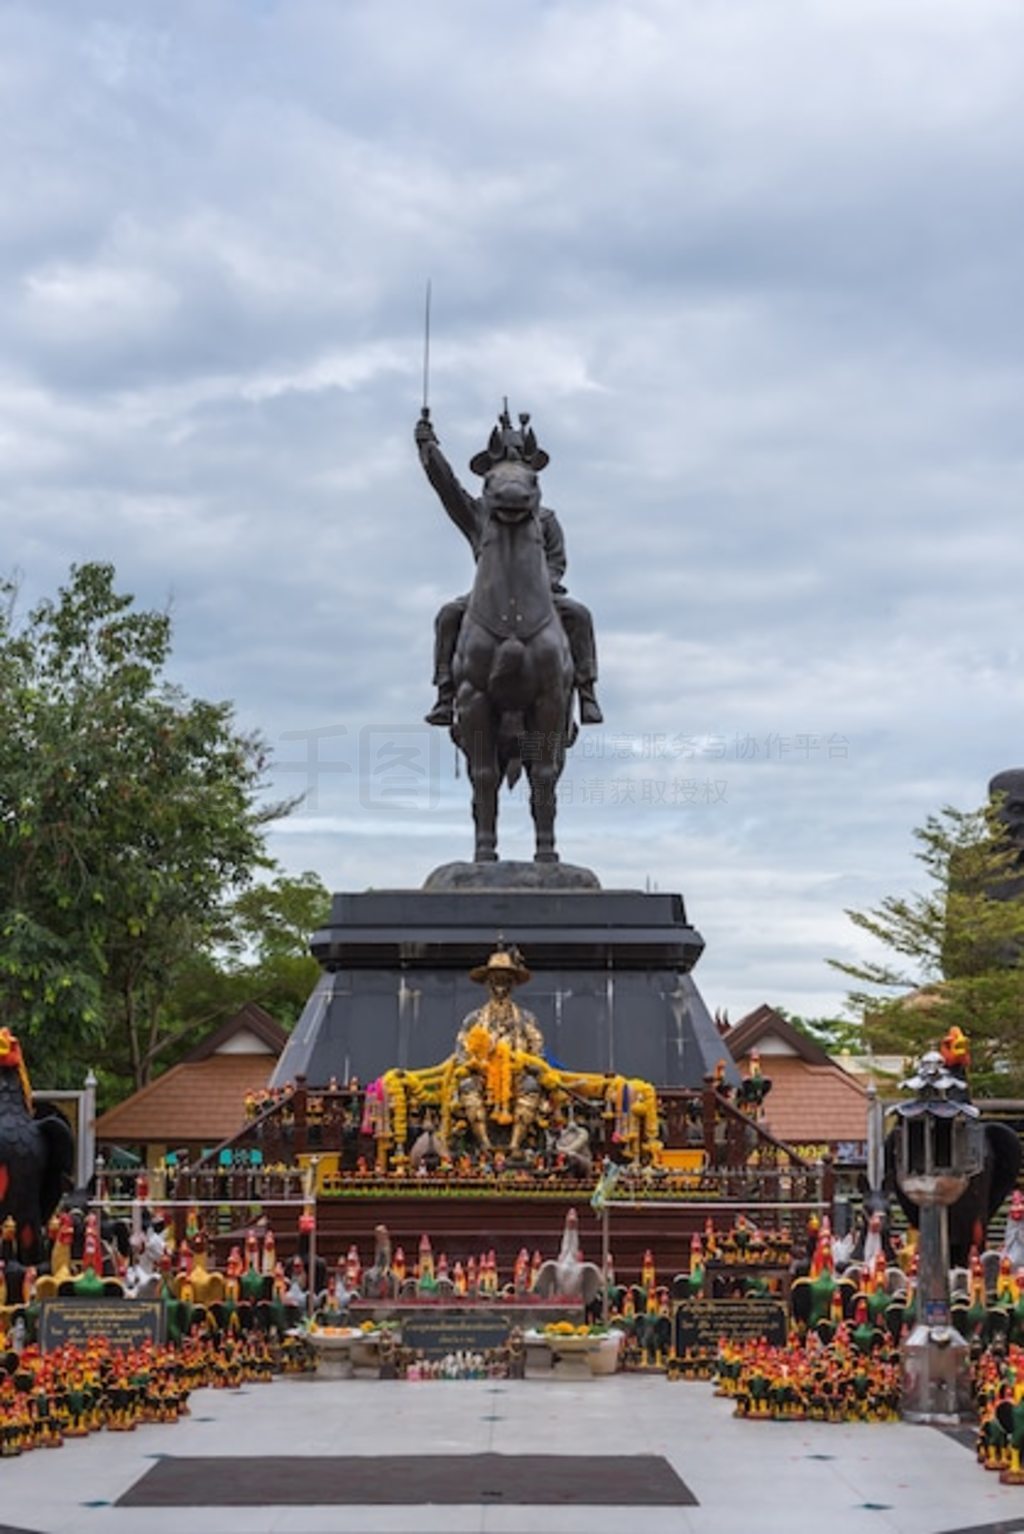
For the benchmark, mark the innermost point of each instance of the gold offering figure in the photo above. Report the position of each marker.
(496, 1079)
(484, 1048)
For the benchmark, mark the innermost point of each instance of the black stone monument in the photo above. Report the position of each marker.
(611, 986)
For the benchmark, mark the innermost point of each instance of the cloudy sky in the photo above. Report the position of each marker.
(755, 266)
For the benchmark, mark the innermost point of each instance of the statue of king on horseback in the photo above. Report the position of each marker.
(510, 655)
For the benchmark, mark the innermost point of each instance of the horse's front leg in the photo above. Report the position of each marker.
(485, 812)
(543, 783)
(480, 745)
(547, 726)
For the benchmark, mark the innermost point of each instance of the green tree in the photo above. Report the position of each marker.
(262, 955)
(274, 921)
(834, 1034)
(130, 818)
(956, 951)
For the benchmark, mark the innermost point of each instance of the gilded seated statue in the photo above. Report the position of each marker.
(484, 1047)
(498, 1089)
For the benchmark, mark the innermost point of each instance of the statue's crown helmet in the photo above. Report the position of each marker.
(510, 444)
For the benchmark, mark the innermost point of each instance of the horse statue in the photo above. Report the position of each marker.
(512, 669)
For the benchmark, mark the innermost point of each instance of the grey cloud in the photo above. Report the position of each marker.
(754, 270)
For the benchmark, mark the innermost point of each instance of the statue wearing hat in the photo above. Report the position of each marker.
(506, 442)
(485, 1040)
(499, 1090)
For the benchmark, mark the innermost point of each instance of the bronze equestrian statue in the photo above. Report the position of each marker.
(510, 654)
(464, 510)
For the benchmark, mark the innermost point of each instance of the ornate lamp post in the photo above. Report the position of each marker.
(939, 1146)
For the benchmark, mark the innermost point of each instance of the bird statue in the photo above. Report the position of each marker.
(36, 1154)
(353, 1268)
(614, 1290)
(653, 1329)
(296, 1296)
(520, 1274)
(1003, 1306)
(178, 1312)
(1010, 1414)
(1017, 1313)
(274, 1314)
(567, 1276)
(955, 1049)
(378, 1282)
(337, 1284)
(91, 1285)
(648, 1274)
(865, 1336)
(425, 1280)
(60, 1248)
(820, 1300)
(754, 1088)
(1013, 1240)
(880, 1285)
(691, 1285)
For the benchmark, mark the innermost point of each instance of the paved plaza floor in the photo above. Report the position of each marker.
(751, 1478)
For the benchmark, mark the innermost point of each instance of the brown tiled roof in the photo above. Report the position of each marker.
(248, 1019)
(813, 1103)
(198, 1100)
(764, 1020)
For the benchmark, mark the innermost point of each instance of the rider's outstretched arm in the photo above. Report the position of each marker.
(463, 508)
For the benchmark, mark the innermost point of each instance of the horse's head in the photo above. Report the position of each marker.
(511, 491)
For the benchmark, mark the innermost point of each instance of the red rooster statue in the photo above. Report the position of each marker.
(36, 1154)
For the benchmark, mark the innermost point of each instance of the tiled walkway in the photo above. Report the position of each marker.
(748, 1478)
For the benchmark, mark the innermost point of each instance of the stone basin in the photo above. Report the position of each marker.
(577, 1357)
(341, 1350)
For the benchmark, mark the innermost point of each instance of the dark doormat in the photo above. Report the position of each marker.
(1001, 1526)
(965, 1435)
(392, 1480)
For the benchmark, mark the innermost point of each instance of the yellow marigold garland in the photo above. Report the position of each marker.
(631, 1103)
(499, 1082)
(397, 1101)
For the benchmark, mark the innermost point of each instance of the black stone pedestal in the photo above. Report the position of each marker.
(611, 987)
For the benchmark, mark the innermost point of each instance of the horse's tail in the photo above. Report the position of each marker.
(504, 686)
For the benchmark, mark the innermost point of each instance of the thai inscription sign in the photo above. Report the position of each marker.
(436, 1336)
(124, 1323)
(700, 1323)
